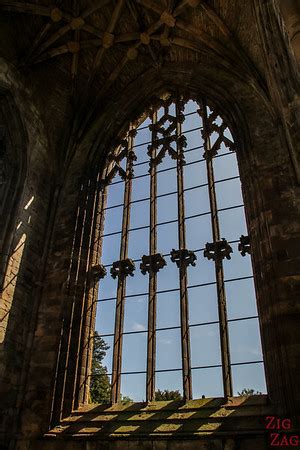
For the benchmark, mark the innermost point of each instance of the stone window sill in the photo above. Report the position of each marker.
(167, 419)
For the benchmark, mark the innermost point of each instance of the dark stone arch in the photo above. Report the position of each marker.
(237, 98)
(248, 108)
(266, 174)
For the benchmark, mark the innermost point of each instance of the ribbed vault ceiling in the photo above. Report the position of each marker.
(78, 57)
(96, 40)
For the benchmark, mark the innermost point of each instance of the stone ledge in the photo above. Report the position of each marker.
(167, 420)
(200, 444)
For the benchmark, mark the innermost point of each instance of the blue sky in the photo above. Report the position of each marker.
(244, 336)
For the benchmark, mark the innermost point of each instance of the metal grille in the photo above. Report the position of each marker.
(169, 140)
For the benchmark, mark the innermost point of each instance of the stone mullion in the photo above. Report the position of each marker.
(184, 312)
(88, 301)
(63, 350)
(79, 300)
(121, 289)
(223, 325)
(152, 299)
(92, 302)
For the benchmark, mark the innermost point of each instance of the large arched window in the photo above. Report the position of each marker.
(176, 304)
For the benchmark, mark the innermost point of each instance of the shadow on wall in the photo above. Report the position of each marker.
(12, 280)
(15, 296)
(168, 419)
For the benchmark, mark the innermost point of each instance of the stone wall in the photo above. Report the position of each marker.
(47, 252)
(21, 258)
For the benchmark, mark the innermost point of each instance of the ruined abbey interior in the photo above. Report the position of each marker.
(96, 96)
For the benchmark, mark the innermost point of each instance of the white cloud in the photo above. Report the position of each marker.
(138, 327)
(255, 352)
(164, 341)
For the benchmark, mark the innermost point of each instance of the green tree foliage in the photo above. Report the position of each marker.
(125, 398)
(167, 395)
(100, 386)
(246, 392)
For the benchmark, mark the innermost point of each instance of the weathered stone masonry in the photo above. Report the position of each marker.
(61, 113)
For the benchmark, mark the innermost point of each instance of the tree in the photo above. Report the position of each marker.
(100, 385)
(125, 398)
(167, 395)
(246, 392)
(100, 388)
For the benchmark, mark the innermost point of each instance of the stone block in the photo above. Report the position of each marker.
(120, 445)
(97, 445)
(259, 443)
(160, 445)
(201, 444)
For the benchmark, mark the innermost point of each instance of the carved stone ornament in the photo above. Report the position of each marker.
(244, 245)
(217, 250)
(212, 126)
(152, 263)
(183, 257)
(116, 159)
(166, 127)
(133, 132)
(97, 272)
(122, 268)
